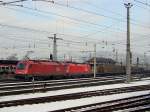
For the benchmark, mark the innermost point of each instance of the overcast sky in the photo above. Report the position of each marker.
(80, 23)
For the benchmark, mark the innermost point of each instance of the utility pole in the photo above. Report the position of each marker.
(116, 56)
(128, 52)
(95, 61)
(145, 60)
(54, 46)
(137, 62)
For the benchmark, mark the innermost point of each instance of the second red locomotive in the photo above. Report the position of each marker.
(51, 69)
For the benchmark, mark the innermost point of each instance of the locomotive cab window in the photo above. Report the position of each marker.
(21, 66)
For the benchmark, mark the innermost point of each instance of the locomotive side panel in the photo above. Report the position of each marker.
(75, 69)
(41, 69)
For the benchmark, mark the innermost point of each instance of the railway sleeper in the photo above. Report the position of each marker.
(144, 108)
(115, 106)
(125, 105)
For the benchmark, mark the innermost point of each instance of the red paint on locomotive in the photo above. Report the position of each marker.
(78, 68)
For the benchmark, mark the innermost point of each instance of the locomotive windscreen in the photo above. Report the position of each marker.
(21, 66)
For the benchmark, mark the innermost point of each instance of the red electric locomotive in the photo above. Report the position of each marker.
(50, 69)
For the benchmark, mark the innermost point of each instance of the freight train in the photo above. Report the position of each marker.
(51, 69)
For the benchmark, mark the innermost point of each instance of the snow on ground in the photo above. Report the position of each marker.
(45, 107)
(74, 90)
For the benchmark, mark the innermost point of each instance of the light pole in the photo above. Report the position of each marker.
(128, 52)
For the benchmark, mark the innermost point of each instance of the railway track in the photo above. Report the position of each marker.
(73, 96)
(142, 108)
(14, 83)
(59, 86)
(133, 104)
(20, 85)
(41, 86)
(51, 83)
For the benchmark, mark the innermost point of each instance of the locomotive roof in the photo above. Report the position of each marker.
(54, 61)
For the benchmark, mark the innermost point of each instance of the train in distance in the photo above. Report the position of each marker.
(52, 69)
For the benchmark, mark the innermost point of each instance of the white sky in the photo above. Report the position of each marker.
(81, 21)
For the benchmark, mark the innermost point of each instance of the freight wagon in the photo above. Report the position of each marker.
(41, 69)
(116, 69)
(110, 69)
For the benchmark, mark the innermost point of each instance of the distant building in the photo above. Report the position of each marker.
(102, 61)
(7, 62)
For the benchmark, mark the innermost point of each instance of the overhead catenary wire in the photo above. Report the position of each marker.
(75, 19)
(143, 3)
(34, 30)
(60, 4)
(115, 13)
(11, 2)
(66, 41)
(68, 6)
(65, 34)
(58, 15)
(95, 13)
(42, 31)
(147, 9)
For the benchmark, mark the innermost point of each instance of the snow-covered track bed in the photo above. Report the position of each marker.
(133, 104)
(73, 96)
(49, 86)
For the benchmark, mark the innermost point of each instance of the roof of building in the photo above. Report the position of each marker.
(13, 62)
(101, 60)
